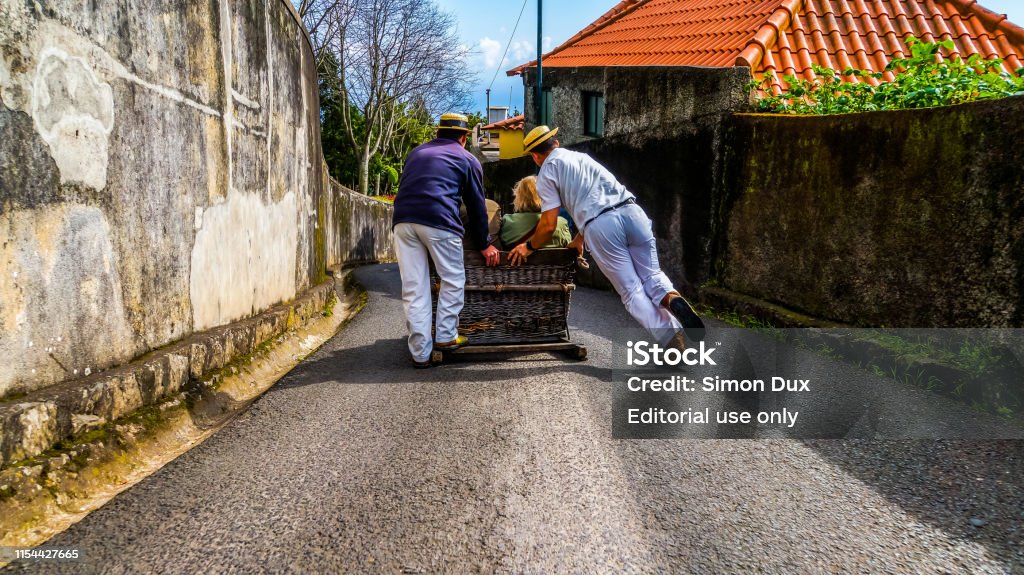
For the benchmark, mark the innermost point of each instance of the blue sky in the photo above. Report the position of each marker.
(486, 25)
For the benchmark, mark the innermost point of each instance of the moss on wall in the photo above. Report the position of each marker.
(164, 176)
(910, 218)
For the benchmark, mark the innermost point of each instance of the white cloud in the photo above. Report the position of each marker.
(490, 51)
(521, 51)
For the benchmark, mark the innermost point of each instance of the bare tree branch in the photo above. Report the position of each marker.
(390, 53)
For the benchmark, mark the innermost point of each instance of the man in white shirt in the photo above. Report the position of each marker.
(617, 232)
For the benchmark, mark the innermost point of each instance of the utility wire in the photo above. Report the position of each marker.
(509, 43)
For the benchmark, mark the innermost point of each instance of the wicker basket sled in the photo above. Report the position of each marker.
(517, 309)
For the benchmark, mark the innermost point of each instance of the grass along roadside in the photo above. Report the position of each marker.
(978, 367)
(44, 495)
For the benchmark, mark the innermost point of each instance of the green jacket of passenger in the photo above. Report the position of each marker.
(518, 227)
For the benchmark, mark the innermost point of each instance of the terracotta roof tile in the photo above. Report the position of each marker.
(513, 123)
(785, 36)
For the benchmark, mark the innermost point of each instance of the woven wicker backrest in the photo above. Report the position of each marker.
(522, 304)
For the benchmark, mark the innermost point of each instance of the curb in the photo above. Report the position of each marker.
(37, 422)
(94, 438)
(723, 299)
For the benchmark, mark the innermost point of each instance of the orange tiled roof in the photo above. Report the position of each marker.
(513, 123)
(784, 36)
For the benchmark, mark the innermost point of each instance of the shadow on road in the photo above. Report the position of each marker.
(946, 484)
(969, 490)
(386, 361)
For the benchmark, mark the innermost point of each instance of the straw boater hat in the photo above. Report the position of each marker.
(536, 136)
(454, 122)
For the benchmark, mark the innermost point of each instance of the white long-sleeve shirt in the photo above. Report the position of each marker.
(580, 184)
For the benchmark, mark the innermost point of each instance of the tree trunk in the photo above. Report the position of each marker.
(364, 171)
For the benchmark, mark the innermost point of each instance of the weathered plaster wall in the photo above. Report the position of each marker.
(911, 218)
(160, 174)
(361, 231)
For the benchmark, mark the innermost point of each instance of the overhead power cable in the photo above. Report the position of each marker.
(507, 44)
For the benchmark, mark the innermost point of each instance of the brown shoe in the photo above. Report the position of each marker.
(453, 345)
(678, 341)
(423, 364)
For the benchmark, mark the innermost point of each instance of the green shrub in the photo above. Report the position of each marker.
(921, 81)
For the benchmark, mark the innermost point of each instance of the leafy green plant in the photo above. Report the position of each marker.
(736, 319)
(920, 81)
(384, 175)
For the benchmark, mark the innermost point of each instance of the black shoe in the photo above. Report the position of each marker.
(693, 327)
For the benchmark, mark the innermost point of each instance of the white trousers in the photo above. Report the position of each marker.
(622, 243)
(416, 245)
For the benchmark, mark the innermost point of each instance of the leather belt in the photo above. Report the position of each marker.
(610, 208)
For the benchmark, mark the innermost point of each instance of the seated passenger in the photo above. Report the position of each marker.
(518, 227)
(493, 224)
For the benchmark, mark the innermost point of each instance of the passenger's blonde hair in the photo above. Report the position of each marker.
(526, 198)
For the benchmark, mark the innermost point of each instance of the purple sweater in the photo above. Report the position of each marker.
(438, 175)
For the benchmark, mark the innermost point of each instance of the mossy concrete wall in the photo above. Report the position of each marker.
(908, 218)
(360, 231)
(912, 218)
(160, 174)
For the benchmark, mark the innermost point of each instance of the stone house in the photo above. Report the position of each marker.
(780, 37)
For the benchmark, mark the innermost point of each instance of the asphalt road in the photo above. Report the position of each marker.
(356, 463)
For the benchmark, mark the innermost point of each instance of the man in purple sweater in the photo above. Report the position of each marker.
(438, 176)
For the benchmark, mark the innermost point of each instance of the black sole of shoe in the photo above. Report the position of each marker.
(693, 326)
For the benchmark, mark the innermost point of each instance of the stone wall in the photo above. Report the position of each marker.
(160, 174)
(638, 99)
(912, 218)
